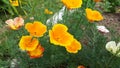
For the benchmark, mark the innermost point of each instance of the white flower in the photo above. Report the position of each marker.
(113, 48)
(103, 29)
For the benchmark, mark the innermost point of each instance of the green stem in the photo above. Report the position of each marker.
(22, 8)
(109, 61)
(15, 10)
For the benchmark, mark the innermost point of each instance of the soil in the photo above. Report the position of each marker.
(111, 21)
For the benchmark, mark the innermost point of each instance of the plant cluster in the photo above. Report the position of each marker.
(57, 34)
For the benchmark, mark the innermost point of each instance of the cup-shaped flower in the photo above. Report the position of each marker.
(15, 23)
(60, 36)
(73, 47)
(81, 66)
(93, 15)
(113, 47)
(36, 53)
(18, 21)
(28, 43)
(71, 4)
(102, 29)
(14, 2)
(96, 0)
(36, 29)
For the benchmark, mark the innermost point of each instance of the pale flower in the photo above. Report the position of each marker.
(102, 29)
(113, 48)
(15, 23)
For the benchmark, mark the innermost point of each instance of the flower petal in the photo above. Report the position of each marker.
(36, 29)
(93, 15)
(73, 47)
(71, 4)
(28, 43)
(111, 47)
(37, 53)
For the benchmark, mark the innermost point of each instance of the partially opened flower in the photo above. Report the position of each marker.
(18, 21)
(36, 28)
(11, 24)
(15, 23)
(81, 66)
(14, 2)
(28, 43)
(48, 11)
(102, 29)
(73, 47)
(60, 36)
(36, 53)
(96, 0)
(71, 4)
(113, 47)
(93, 15)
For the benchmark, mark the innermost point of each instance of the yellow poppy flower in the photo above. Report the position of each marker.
(36, 29)
(37, 53)
(28, 43)
(74, 46)
(71, 4)
(14, 2)
(93, 15)
(48, 12)
(60, 36)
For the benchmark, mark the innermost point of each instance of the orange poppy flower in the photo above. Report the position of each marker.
(37, 53)
(73, 47)
(14, 2)
(93, 15)
(36, 29)
(48, 12)
(59, 35)
(28, 43)
(71, 4)
(96, 0)
(81, 66)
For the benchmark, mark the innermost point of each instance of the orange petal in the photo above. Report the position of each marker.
(73, 47)
(36, 29)
(60, 36)
(93, 15)
(96, 0)
(71, 4)
(37, 53)
(81, 66)
(28, 43)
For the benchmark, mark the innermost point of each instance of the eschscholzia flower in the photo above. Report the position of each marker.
(96, 0)
(48, 11)
(28, 43)
(81, 66)
(36, 28)
(93, 15)
(14, 2)
(60, 36)
(15, 23)
(102, 29)
(114, 48)
(36, 53)
(71, 4)
(73, 47)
